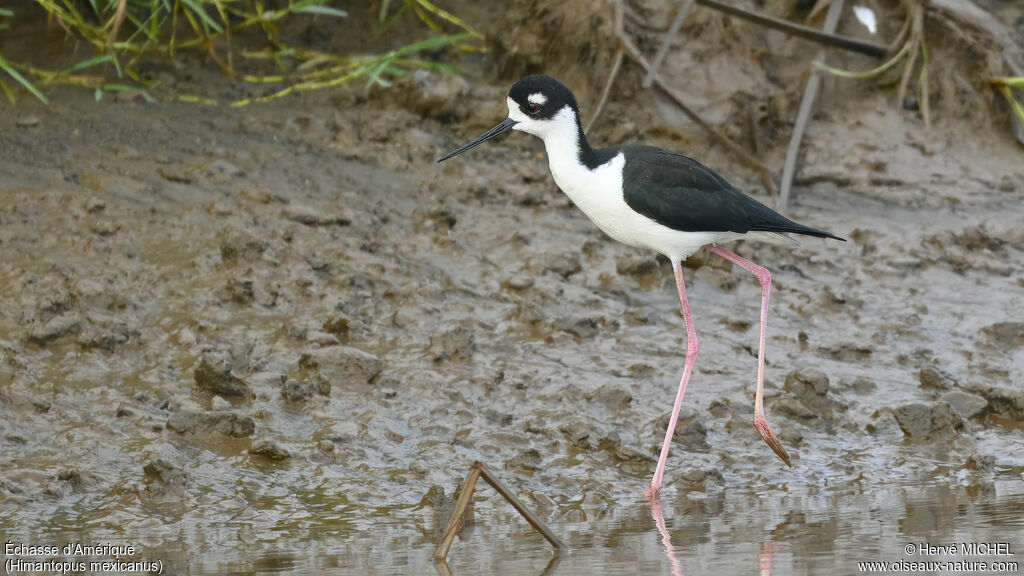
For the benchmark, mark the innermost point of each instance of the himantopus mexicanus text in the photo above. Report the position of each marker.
(651, 198)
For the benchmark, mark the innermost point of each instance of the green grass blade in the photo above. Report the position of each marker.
(90, 62)
(197, 8)
(6, 12)
(325, 10)
(317, 7)
(21, 80)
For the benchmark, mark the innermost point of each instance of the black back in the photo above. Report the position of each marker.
(680, 193)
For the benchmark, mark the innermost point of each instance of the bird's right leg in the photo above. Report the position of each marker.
(691, 357)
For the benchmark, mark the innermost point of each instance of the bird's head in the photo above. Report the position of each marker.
(538, 105)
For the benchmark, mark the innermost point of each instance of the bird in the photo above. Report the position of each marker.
(650, 198)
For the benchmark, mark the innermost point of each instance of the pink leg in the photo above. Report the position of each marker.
(765, 278)
(691, 356)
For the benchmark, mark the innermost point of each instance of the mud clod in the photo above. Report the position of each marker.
(810, 387)
(1004, 402)
(213, 373)
(55, 328)
(458, 343)
(1005, 335)
(238, 245)
(214, 422)
(161, 471)
(928, 422)
(313, 217)
(342, 364)
(526, 461)
(934, 378)
(967, 405)
(269, 449)
(565, 265)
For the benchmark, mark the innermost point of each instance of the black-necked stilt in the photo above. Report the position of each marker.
(651, 198)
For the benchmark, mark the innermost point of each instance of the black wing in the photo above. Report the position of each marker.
(680, 193)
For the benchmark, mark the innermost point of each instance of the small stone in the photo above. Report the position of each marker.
(27, 121)
(342, 363)
(162, 471)
(312, 217)
(268, 449)
(1005, 335)
(434, 496)
(458, 343)
(224, 168)
(322, 338)
(55, 328)
(576, 431)
(338, 326)
(521, 281)
(526, 461)
(934, 378)
(811, 388)
(213, 373)
(1003, 402)
(564, 265)
(636, 266)
(923, 422)
(967, 405)
(237, 245)
(583, 327)
(980, 462)
(213, 422)
(612, 396)
(218, 403)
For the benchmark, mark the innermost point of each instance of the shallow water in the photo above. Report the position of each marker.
(810, 531)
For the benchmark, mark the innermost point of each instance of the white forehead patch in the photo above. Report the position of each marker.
(537, 98)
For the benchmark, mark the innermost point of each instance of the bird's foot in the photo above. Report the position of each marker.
(651, 494)
(770, 438)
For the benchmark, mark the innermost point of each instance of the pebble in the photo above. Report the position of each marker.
(268, 449)
(342, 363)
(967, 405)
(526, 461)
(926, 422)
(213, 373)
(313, 217)
(521, 281)
(212, 422)
(55, 328)
(458, 343)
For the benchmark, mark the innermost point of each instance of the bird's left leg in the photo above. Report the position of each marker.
(765, 278)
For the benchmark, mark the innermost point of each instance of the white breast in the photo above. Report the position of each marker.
(598, 193)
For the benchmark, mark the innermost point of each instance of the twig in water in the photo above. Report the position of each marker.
(803, 117)
(477, 470)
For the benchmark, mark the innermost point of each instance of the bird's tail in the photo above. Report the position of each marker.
(785, 226)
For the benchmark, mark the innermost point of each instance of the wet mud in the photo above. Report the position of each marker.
(274, 338)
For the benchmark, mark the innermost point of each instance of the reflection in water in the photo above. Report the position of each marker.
(799, 530)
(659, 521)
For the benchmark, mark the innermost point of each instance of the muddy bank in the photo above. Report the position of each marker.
(225, 328)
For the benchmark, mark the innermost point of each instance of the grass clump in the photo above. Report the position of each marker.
(125, 33)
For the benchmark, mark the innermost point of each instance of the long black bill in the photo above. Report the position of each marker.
(497, 130)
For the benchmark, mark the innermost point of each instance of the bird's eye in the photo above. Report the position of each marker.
(532, 108)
